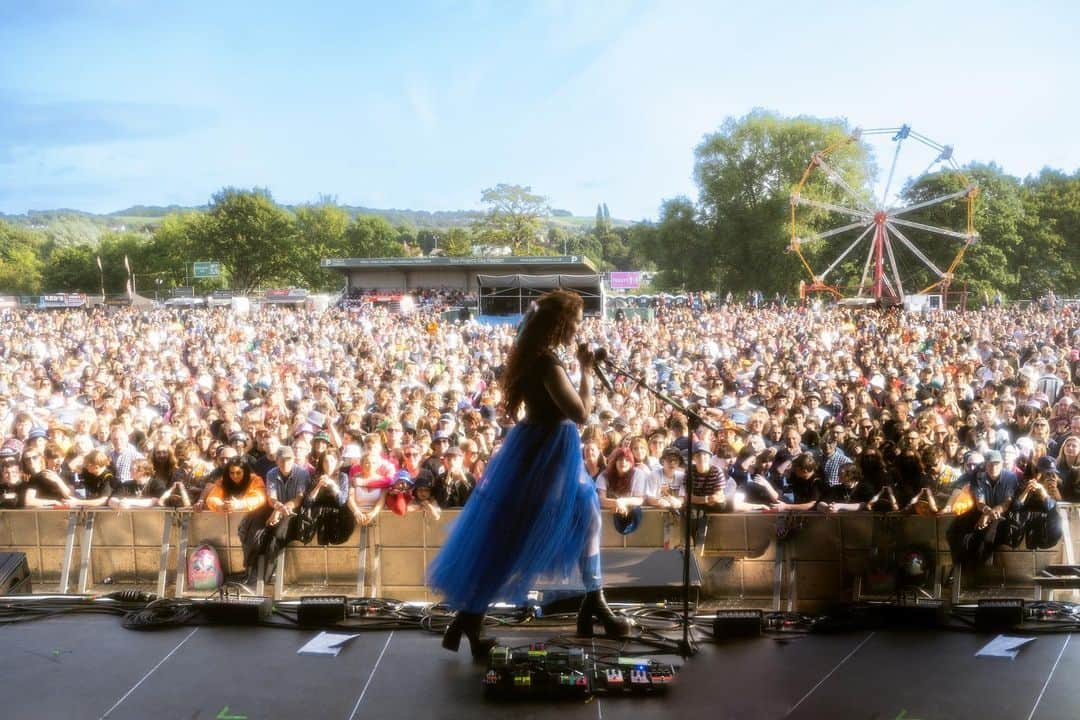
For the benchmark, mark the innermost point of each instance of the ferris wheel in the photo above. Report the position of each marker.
(900, 252)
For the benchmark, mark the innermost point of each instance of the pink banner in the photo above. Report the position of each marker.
(624, 280)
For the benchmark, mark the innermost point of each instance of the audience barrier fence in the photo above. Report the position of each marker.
(786, 561)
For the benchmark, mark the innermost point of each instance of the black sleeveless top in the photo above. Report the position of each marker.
(540, 408)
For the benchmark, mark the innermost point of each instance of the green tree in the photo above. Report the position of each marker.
(320, 234)
(370, 236)
(253, 238)
(745, 173)
(73, 268)
(990, 264)
(603, 222)
(428, 240)
(20, 261)
(1051, 231)
(458, 243)
(174, 247)
(513, 218)
(681, 246)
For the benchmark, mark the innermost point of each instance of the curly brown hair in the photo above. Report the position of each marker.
(542, 330)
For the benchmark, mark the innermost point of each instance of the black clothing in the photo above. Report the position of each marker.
(448, 494)
(803, 491)
(541, 408)
(862, 492)
(99, 486)
(46, 489)
(154, 488)
(12, 497)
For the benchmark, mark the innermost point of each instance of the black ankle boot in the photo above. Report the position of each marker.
(469, 624)
(595, 607)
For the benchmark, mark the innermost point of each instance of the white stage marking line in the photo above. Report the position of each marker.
(822, 680)
(599, 710)
(1049, 677)
(160, 663)
(371, 676)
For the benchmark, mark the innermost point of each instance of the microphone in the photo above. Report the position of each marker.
(600, 357)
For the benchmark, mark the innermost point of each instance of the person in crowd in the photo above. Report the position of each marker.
(852, 494)
(122, 453)
(324, 515)
(806, 485)
(594, 460)
(12, 486)
(1068, 465)
(974, 535)
(144, 491)
(367, 490)
(98, 477)
(237, 490)
(1033, 517)
(44, 488)
(621, 487)
(423, 499)
(668, 484)
(268, 529)
(455, 485)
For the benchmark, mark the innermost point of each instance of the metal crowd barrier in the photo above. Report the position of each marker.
(786, 561)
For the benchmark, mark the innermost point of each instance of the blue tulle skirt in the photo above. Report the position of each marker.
(530, 516)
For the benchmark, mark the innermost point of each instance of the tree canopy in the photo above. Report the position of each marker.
(513, 217)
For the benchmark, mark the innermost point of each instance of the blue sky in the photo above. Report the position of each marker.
(109, 103)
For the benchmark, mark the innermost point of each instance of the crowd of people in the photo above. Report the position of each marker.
(312, 423)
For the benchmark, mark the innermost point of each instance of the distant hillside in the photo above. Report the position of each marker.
(76, 225)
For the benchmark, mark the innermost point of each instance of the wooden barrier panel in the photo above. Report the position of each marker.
(798, 560)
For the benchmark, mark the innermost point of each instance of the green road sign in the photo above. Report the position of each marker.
(206, 270)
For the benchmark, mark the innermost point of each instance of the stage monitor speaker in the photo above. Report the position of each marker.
(14, 574)
(737, 623)
(922, 614)
(999, 613)
(631, 575)
(243, 610)
(316, 610)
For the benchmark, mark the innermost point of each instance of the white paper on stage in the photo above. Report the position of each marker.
(1003, 646)
(325, 644)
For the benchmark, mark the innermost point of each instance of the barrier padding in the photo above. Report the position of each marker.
(819, 555)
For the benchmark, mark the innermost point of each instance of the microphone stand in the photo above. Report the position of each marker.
(694, 421)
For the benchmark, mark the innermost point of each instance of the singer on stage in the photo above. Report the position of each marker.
(535, 511)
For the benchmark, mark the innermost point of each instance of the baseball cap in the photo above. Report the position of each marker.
(285, 452)
(628, 523)
(993, 456)
(702, 448)
(1046, 464)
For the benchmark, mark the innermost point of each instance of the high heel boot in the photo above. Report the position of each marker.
(470, 625)
(595, 607)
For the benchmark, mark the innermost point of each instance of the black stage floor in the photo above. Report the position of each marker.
(91, 667)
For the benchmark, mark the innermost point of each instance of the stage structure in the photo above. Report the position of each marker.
(509, 282)
(502, 295)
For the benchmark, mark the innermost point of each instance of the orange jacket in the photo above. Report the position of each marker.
(255, 497)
